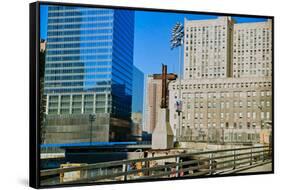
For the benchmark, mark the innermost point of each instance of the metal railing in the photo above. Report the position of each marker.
(215, 162)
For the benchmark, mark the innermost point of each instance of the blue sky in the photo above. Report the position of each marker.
(152, 35)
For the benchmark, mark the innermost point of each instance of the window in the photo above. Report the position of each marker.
(222, 115)
(240, 115)
(254, 103)
(267, 115)
(241, 94)
(214, 105)
(254, 125)
(240, 104)
(227, 115)
(249, 115)
(254, 115)
(227, 104)
(240, 125)
(262, 115)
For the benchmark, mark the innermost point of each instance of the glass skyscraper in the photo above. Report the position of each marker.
(138, 88)
(89, 66)
(137, 103)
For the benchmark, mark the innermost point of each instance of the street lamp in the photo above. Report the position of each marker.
(92, 118)
(177, 40)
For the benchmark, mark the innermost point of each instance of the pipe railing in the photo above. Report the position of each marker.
(179, 165)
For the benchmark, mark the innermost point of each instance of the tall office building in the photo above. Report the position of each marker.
(152, 102)
(252, 49)
(220, 48)
(207, 48)
(138, 87)
(89, 66)
(227, 85)
(137, 103)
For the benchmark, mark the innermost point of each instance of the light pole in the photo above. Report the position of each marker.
(177, 40)
(92, 117)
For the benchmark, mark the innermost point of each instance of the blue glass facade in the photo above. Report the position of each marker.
(91, 50)
(138, 90)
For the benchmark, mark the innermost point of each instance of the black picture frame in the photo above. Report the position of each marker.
(34, 91)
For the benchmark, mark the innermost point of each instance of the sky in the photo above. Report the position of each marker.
(152, 37)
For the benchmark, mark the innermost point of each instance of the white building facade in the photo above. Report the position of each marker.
(227, 85)
(207, 52)
(222, 110)
(252, 49)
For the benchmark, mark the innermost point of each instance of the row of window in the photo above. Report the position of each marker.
(78, 98)
(251, 31)
(82, 19)
(60, 13)
(204, 28)
(84, 64)
(80, 32)
(82, 26)
(78, 110)
(81, 57)
(225, 94)
(224, 85)
(226, 125)
(72, 89)
(86, 104)
(250, 115)
(226, 104)
(205, 75)
(80, 38)
(83, 71)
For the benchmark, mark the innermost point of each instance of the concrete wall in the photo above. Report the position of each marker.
(76, 128)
